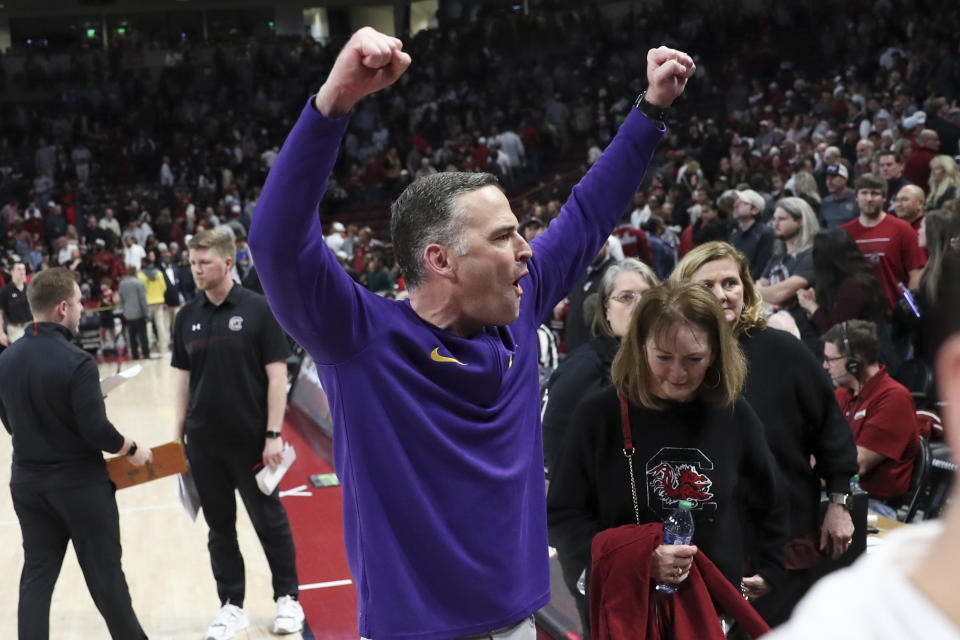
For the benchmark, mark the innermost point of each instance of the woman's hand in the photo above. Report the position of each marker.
(808, 300)
(753, 587)
(671, 563)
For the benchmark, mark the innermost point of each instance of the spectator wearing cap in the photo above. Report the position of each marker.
(840, 206)
(916, 166)
(891, 168)
(336, 238)
(634, 241)
(753, 239)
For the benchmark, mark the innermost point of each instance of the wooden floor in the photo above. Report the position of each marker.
(164, 554)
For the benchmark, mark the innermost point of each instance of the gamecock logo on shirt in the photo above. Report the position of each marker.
(675, 474)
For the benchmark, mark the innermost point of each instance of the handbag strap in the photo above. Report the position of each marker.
(628, 450)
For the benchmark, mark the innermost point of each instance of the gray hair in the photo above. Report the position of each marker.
(599, 325)
(428, 212)
(801, 211)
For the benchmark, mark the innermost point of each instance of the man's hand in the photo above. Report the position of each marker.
(142, 456)
(273, 452)
(671, 563)
(4, 339)
(754, 586)
(667, 73)
(837, 527)
(369, 62)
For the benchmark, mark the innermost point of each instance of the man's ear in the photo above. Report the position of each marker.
(440, 261)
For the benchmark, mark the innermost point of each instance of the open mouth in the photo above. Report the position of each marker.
(517, 288)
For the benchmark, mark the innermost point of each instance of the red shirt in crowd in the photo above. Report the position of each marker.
(891, 247)
(635, 243)
(884, 420)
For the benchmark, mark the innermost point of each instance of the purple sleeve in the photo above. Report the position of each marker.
(310, 294)
(562, 253)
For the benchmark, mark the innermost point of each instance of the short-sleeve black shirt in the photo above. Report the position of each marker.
(226, 349)
(13, 301)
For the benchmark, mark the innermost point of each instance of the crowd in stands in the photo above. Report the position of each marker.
(820, 139)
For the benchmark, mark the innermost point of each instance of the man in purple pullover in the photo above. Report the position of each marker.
(435, 399)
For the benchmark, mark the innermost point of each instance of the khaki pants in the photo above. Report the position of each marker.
(159, 318)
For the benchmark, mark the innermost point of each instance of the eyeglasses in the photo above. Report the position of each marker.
(627, 297)
(834, 359)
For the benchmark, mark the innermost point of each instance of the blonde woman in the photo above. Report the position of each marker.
(944, 182)
(785, 385)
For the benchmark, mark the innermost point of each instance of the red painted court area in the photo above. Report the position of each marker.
(317, 525)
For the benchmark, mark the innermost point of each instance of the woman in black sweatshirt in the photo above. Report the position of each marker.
(794, 399)
(694, 439)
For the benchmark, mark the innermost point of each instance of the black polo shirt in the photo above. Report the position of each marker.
(226, 349)
(50, 401)
(13, 302)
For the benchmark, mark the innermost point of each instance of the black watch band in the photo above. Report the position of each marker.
(272, 434)
(133, 449)
(652, 111)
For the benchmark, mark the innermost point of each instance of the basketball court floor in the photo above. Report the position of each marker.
(165, 555)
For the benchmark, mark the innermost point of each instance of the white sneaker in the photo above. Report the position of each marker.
(230, 619)
(289, 616)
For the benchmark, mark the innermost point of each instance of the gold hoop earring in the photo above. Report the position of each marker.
(717, 383)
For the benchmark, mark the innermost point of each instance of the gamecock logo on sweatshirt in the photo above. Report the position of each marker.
(675, 474)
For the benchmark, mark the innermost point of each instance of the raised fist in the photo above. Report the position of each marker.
(368, 62)
(667, 73)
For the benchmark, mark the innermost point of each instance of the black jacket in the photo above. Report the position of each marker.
(50, 401)
(585, 370)
(794, 399)
(690, 451)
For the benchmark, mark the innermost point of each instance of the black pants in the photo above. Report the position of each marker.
(87, 516)
(137, 338)
(218, 471)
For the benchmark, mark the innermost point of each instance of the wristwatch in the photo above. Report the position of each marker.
(842, 499)
(653, 112)
(272, 434)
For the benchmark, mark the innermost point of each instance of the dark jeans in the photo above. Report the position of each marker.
(137, 338)
(218, 471)
(87, 516)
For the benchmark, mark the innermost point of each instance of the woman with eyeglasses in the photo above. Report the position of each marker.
(587, 368)
(680, 371)
(787, 388)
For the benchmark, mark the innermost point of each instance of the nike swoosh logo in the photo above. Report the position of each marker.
(436, 357)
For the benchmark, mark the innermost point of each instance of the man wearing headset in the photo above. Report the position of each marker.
(879, 409)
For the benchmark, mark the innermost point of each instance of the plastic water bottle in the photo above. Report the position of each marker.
(677, 529)
(855, 488)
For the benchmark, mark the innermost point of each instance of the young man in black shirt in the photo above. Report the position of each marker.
(14, 309)
(51, 403)
(231, 354)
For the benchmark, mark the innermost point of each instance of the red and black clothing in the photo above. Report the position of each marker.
(687, 451)
(891, 247)
(883, 419)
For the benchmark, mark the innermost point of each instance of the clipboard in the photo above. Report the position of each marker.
(168, 459)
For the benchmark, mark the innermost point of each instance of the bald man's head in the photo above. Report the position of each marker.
(929, 139)
(908, 203)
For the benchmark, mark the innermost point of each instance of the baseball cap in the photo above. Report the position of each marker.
(752, 198)
(838, 169)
